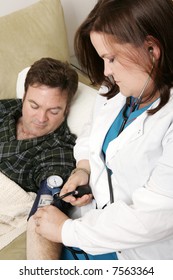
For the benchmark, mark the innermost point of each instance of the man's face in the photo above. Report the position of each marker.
(43, 110)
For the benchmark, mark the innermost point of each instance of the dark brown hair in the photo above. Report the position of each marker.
(55, 74)
(129, 21)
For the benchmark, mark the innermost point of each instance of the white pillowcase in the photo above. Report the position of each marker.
(81, 107)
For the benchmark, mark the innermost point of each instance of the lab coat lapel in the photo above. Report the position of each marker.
(108, 111)
(129, 134)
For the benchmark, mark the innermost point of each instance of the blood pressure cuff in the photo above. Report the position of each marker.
(44, 197)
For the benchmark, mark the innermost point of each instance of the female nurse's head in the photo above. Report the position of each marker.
(129, 40)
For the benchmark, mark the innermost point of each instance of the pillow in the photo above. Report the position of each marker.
(81, 107)
(27, 35)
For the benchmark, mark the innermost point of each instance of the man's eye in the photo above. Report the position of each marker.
(34, 106)
(55, 112)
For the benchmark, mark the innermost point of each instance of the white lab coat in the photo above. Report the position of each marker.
(139, 224)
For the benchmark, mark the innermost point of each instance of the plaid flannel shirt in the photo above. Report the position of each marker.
(28, 162)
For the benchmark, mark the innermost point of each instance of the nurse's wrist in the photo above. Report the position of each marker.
(80, 169)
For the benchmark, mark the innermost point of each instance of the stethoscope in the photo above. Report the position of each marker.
(133, 107)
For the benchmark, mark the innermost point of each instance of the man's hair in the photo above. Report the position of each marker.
(54, 74)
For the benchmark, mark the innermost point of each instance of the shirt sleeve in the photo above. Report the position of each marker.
(119, 226)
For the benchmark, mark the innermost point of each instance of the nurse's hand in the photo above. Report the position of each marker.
(77, 179)
(49, 221)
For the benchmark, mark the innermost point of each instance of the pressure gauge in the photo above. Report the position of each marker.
(54, 184)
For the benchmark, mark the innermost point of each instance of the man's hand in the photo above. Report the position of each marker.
(49, 221)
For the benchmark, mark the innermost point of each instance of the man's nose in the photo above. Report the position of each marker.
(42, 116)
